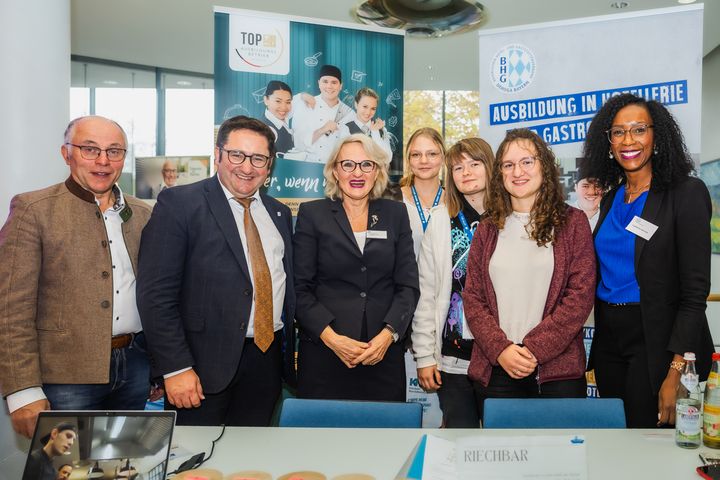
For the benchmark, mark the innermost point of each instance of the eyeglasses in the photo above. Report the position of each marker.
(526, 164)
(237, 157)
(88, 152)
(617, 134)
(169, 170)
(432, 156)
(366, 166)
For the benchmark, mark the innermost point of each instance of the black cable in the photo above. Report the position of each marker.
(212, 448)
(197, 460)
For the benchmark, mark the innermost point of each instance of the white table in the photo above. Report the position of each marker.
(612, 454)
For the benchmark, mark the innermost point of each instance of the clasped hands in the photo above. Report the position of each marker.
(353, 352)
(517, 361)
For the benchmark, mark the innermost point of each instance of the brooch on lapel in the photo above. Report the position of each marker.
(373, 220)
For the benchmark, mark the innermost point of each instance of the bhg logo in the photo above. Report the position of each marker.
(259, 45)
(513, 68)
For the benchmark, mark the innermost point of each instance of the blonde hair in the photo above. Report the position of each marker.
(408, 177)
(376, 155)
(475, 148)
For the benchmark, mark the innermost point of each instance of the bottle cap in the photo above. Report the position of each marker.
(689, 356)
(716, 356)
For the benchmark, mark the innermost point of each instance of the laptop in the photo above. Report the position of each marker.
(131, 445)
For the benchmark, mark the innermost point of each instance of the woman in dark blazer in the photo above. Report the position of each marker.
(356, 281)
(653, 248)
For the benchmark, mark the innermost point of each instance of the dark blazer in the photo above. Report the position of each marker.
(673, 272)
(337, 285)
(194, 291)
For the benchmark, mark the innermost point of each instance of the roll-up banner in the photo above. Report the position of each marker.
(301, 76)
(553, 78)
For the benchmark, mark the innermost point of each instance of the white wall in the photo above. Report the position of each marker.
(35, 90)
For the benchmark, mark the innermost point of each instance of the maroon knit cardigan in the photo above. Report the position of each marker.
(557, 341)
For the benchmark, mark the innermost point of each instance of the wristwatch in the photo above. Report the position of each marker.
(393, 332)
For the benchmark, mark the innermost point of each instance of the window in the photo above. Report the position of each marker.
(189, 118)
(455, 114)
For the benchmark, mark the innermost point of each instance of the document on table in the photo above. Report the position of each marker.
(439, 461)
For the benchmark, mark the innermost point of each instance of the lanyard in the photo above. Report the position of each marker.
(418, 205)
(468, 232)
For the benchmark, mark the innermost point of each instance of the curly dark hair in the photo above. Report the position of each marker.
(670, 164)
(549, 211)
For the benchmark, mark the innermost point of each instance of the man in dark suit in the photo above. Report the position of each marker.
(217, 304)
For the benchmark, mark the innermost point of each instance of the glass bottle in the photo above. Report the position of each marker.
(688, 422)
(711, 407)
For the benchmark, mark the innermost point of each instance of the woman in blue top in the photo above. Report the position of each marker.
(653, 248)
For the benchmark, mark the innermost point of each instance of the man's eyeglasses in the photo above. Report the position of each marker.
(526, 164)
(236, 157)
(366, 166)
(617, 134)
(89, 152)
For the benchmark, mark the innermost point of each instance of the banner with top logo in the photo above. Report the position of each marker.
(553, 78)
(313, 82)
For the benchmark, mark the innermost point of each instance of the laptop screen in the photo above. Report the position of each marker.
(71, 445)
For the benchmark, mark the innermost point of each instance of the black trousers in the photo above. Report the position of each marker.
(250, 398)
(620, 361)
(321, 374)
(458, 401)
(501, 385)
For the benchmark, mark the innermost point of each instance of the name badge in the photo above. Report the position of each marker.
(641, 228)
(378, 234)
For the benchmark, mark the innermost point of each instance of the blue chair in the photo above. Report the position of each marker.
(554, 413)
(297, 412)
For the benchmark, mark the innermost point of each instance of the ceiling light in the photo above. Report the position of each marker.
(110, 82)
(117, 427)
(127, 471)
(184, 83)
(96, 471)
(686, 1)
(423, 18)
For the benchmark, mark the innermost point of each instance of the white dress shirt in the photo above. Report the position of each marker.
(277, 122)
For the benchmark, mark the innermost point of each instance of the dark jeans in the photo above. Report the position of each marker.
(621, 365)
(458, 401)
(250, 398)
(127, 389)
(501, 385)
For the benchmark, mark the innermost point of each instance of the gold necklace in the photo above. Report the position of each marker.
(630, 193)
(637, 190)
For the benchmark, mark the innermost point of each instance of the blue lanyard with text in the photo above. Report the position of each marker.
(418, 205)
(468, 232)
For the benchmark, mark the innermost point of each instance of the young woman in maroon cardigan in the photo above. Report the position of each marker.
(530, 280)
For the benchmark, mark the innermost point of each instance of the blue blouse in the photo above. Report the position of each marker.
(615, 248)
